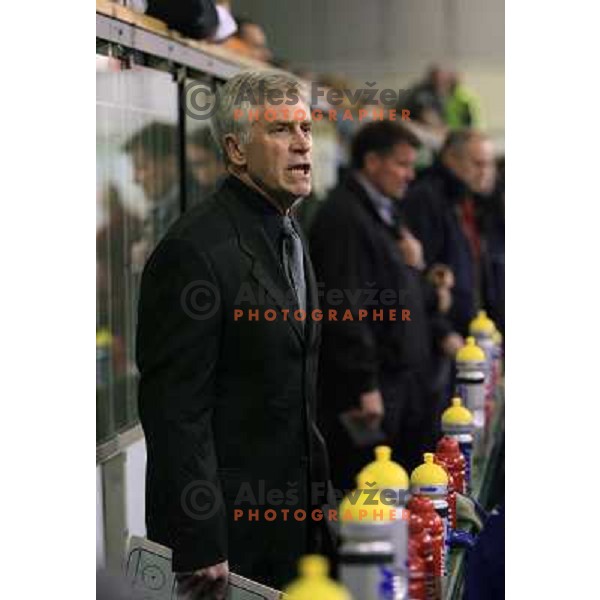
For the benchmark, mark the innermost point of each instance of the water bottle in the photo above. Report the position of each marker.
(367, 552)
(448, 455)
(423, 544)
(431, 480)
(423, 507)
(314, 582)
(457, 423)
(385, 474)
(482, 328)
(470, 383)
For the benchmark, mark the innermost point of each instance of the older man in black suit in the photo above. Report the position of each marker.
(227, 398)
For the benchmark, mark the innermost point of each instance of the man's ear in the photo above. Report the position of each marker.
(235, 150)
(371, 162)
(451, 159)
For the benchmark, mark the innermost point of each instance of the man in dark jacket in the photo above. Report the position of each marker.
(374, 371)
(426, 100)
(441, 211)
(227, 396)
(490, 216)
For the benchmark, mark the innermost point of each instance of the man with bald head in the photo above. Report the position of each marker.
(441, 209)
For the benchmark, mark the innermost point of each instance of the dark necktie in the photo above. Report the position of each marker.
(293, 260)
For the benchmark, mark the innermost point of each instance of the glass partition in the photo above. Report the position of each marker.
(137, 197)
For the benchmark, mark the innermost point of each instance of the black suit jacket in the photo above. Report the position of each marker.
(431, 209)
(225, 404)
(354, 249)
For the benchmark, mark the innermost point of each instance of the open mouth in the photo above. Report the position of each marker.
(302, 169)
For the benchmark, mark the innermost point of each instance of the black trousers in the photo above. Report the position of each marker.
(411, 427)
(412, 419)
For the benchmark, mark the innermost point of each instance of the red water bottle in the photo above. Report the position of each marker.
(448, 454)
(451, 496)
(434, 525)
(417, 589)
(449, 457)
(424, 544)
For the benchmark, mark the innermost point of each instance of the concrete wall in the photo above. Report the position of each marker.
(392, 41)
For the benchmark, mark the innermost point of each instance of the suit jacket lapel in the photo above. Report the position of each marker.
(266, 266)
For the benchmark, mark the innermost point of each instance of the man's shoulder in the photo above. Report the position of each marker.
(205, 226)
(343, 201)
(342, 215)
(428, 188)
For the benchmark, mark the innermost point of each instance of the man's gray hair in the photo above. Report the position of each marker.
(233, 100)
(457, 140)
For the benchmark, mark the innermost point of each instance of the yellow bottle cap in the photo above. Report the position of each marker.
(482, 324)
(383, 472)
(470, 352)
(497, 338)
(314, 583)
(365, 505)
(457, 414)
(428, 474)
(103, 337)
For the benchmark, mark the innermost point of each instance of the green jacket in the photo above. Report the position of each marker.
(462, 109)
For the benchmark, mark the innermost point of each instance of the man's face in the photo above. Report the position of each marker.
(392, 173)
(279, 154)
(204, 166)
(475, 165)
(154, 174)
(440, 81)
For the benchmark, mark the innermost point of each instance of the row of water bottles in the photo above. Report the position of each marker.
(396, 532)
(394, 547)
(478, 371)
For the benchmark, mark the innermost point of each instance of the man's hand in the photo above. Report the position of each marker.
(371, 409)
(441, 276)
(411, 249)
(208, 583)
(444, 299)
